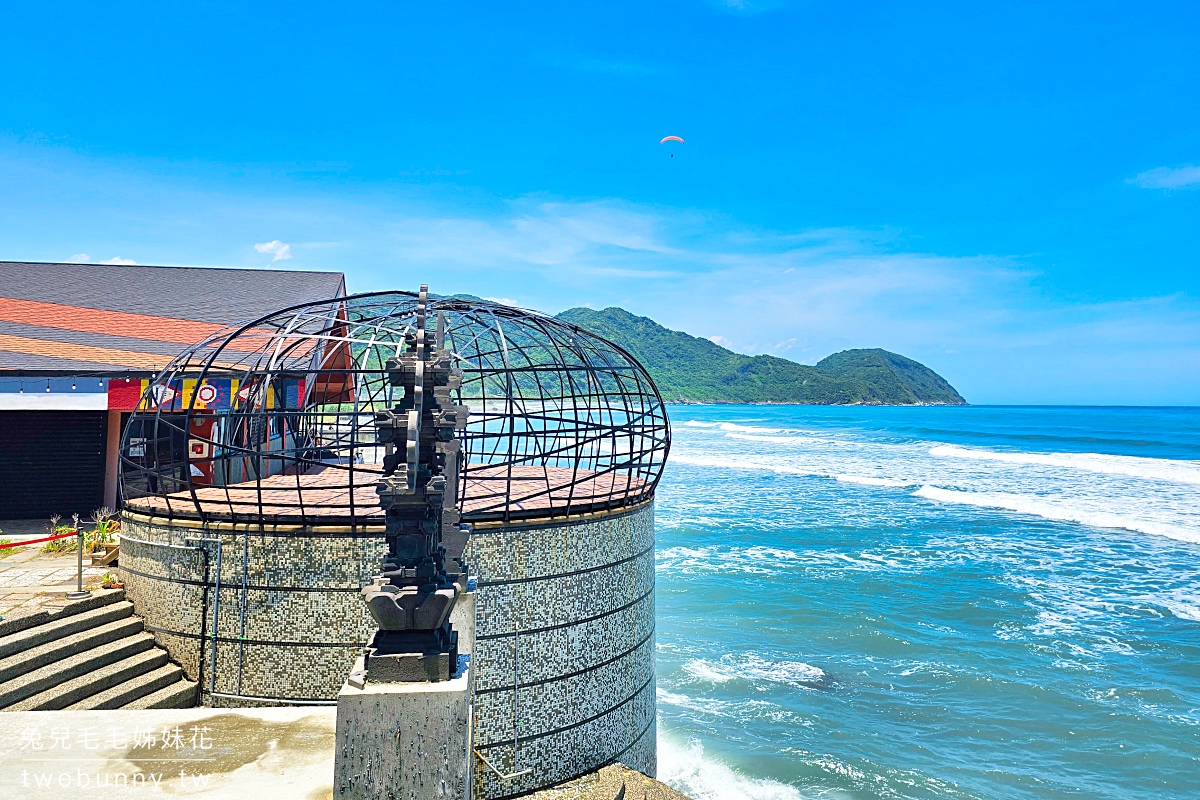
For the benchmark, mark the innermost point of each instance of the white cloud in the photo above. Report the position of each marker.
(994, 327)
(806, 294)
(1168, 178)
(79, 258)
(504, 301)
(276, 248)
(125, 262)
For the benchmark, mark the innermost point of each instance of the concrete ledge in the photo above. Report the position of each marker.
(99, 598)
(39, 680)
(96, 682)
(59, 650)
(614, 782)
(405, 740)
(56, 628)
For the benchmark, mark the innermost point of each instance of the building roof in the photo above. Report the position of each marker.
(110, 319)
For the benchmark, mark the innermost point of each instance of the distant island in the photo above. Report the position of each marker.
(689, 369)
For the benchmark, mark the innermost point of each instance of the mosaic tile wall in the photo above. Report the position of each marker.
(566, 613)
(303, 621)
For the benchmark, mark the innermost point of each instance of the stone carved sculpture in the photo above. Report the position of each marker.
(412, 599)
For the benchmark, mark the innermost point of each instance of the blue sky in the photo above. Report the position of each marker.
(1009, 193)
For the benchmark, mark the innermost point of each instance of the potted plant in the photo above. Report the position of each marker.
(104, 530)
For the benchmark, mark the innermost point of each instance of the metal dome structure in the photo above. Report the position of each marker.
(274, 422)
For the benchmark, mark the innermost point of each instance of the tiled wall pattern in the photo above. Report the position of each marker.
(300, 614)
(566, 614)
(564, 650)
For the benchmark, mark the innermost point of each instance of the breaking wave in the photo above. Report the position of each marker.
(1163, 469)
(731, 426)
(738, 463)
(902, 574)
(759, 559)
(866, 480)
(696, 460)
(1182, 604)
(687, 769)
(752, 667)
(1058, 512)
(792, 440)
(1092, 489)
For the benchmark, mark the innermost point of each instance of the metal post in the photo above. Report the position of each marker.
(212, 672)
(79, 593)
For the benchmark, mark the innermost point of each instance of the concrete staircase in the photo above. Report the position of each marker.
(89, 654)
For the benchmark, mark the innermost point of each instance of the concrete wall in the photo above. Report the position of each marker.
(566, 613)
(404, 740)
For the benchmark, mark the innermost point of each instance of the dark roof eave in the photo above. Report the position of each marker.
(115, 372)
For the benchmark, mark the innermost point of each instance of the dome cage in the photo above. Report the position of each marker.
(273, 422)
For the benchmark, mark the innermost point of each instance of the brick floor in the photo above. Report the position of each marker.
(31, 579)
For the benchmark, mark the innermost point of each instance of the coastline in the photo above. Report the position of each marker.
(680, 402)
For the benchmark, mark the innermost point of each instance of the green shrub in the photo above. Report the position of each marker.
(67, 545)
(60, 545)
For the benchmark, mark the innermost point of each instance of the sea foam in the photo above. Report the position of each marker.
(758, 560)
(780, 468)
(755, 668)
(792, 440)
(699, 460)
(867, 480)
(1092, 489)
(1058, 511)
(731, 426)
(687, 769)
(1163, 469)
(1182, 604)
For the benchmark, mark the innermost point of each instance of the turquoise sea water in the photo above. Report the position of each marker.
(930, 603)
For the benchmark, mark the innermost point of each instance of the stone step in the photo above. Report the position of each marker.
(101, 681)
(82, 662)
(177, 695)
(106, 557)
(121, 695)
(99, 598)
(23, 641)
(59, 649)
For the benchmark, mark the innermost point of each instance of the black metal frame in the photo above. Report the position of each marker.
(562, 421)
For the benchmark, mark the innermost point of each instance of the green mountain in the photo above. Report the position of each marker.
(690, 369)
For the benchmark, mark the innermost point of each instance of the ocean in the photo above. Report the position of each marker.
(959, 602)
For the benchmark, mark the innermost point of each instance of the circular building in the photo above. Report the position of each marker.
(251, 520)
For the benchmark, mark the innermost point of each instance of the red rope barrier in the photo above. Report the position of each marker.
(39, 541)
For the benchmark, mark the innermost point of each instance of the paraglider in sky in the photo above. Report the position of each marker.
(666, 139)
